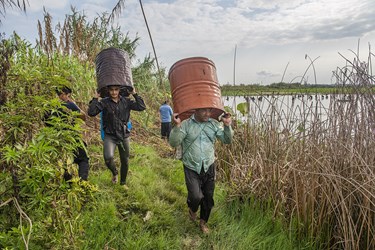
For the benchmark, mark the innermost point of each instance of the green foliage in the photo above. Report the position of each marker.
(243, 108)
(34, 156)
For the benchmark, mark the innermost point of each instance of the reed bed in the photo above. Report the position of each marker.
(313, 165)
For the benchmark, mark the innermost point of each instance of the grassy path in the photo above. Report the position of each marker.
(152, 214)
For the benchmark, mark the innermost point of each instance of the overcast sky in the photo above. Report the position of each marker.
(272, 36)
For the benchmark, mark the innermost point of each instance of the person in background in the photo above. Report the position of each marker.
(80, 155)
(115, 116)
(197, 135)
(166, 113)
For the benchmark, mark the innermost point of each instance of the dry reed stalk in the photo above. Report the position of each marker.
(319, 171)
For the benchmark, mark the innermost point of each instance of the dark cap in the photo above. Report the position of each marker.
(64, 89)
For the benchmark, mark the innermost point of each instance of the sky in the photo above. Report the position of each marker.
(249, 41)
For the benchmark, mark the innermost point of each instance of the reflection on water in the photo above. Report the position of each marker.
(286, 112)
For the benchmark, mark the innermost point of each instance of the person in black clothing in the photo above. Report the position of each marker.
(115, 116)
(80, 155)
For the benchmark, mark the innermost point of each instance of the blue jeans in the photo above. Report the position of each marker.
(110, 143)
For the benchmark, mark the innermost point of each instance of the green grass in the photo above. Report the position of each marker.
(152, 214)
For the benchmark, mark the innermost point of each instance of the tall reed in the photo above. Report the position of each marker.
(317, 173)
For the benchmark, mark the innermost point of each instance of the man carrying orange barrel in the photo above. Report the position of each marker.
(197, 136)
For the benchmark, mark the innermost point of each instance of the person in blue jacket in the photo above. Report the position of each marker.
(166, 113)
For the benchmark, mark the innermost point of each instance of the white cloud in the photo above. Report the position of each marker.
(268, 33)
(37, 5)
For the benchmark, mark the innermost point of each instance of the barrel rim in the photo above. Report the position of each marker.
(215, 115)
(189, 59)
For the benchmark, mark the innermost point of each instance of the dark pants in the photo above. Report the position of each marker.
(82, 160)
(110, 144)
(200, 190)
(166, 128)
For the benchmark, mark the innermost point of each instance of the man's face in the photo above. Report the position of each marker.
(114, 91)
(202, 115)
(63, 97)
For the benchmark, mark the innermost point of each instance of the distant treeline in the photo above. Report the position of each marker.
(281, 88)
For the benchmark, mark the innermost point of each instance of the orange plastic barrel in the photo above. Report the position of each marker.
(194, 85)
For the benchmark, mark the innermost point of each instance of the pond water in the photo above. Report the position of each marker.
(280, 112)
